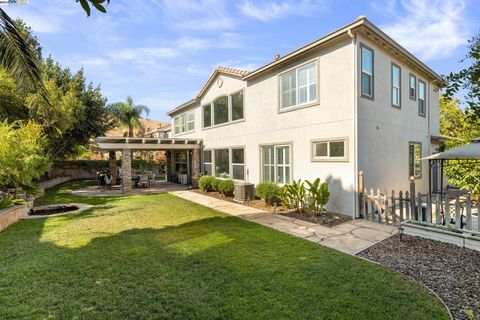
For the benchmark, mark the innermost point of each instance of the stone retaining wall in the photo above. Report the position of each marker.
(11, 215)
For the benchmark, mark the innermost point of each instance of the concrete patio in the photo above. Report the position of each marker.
(350, 237)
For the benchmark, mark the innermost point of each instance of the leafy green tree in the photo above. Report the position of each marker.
(455, 123)
(12, 102)
(468, 79)
(17, 55)
(128, 114)
(22, 154)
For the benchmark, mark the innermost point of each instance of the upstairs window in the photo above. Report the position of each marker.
(412, 90)
(220, 110)
(396, 85)
(184, 122)
(367, 72)
(299, 86)
(414, 159)
(422, 107)
(224, 109)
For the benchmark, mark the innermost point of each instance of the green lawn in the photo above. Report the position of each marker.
(161, 257)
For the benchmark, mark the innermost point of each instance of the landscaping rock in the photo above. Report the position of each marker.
(453, 273)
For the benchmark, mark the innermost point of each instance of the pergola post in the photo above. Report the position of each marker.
(112, 164)
(126, 170)
(196, 171)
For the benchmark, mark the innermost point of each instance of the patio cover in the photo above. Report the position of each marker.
(469, 151)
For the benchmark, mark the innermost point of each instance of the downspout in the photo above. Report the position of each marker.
(355, 117)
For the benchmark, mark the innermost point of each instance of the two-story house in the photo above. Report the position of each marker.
(353, 100)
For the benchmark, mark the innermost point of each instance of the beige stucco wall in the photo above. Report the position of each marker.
(331, 118)
(384, 131)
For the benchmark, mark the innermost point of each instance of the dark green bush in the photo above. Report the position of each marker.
(215, 183)
(205, 183)
(225, 187)
(269, 191)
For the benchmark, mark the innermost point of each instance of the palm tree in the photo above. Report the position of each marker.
(128, 114)
(17, 57)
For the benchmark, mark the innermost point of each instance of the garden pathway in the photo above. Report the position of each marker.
(349, 237)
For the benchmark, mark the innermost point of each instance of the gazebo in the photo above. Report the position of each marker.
(469, 153)
(127, 145)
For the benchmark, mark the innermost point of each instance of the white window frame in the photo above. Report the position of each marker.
(329, 158)
(230, 112)
(414, 77)
(208, 163)
(371, 74)
(415, 161)
(181, 123)
(230, 164)
(275, 163)
(309, 102)
(424, 98)
(395, 88)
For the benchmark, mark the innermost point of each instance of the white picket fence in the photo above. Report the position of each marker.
(391, 208)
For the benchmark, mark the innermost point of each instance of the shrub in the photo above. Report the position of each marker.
(225, 187)
(215, 183)
(294, 195)
(269, 191)
(205, 183)
(318, 195)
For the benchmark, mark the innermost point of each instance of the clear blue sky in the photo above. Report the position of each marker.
(162, 51)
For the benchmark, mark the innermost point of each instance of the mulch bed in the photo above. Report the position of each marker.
(328, 219)
(452, 272)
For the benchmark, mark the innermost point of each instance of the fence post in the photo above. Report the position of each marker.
(365, 198)
(468, 212)
(419, 208)
(393, 211)
(428, 212)
(400, 205)
(372, 203)
(379, 206)
(387, 211)
(408, 215)
(447, 210)
(361, 196)
(437, 209)
(458, 215)
(413, 212)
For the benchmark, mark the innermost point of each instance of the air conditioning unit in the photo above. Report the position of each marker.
(244, 191)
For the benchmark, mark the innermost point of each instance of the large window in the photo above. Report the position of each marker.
(422, 107)
(414, 162)
(412, 90)
(299, 86)
(224, 109)
(207, 162)
(220, 110)
(367, 72)
(225, 163)
(396, 85)
(181, 162)
(222, 163)
(325, 150)
(184, 122)
(276, 164)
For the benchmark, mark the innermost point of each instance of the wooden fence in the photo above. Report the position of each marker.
(390, 207)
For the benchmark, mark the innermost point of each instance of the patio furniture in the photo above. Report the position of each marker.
(136, 181)
(151, 179)
(143, 181)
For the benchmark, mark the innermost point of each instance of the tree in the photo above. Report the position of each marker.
(22, 154)
(468, 79)
(97, 4)
(454, 123)
(18, 57)
(128, 114)
(12, 102)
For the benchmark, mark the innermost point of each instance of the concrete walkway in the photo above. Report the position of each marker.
(350, 237)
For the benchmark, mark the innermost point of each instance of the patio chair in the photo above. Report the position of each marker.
(143, 180)
(151, 179)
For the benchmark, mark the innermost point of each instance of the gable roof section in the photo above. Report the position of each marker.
(361, 25)
(218, 70)
(364, 26)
